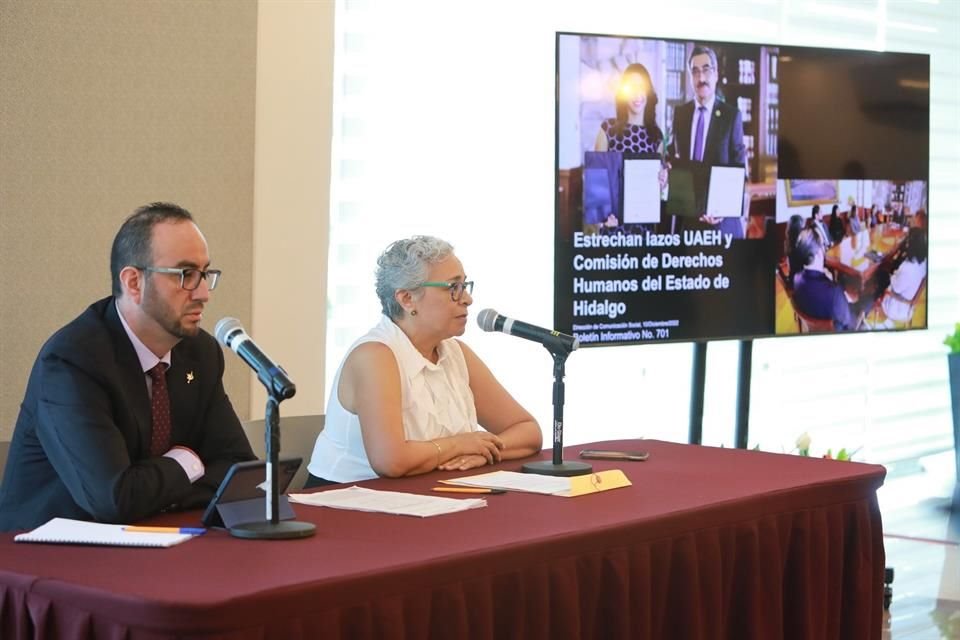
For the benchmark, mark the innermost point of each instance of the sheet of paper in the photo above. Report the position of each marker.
(67, 531)
(394, 502)
(515, 481)
(641, 191)
(725, 194)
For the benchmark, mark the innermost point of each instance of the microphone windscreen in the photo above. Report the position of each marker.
(486, 319)
(224, 328)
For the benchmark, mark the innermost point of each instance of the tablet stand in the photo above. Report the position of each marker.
(238, 512)
(558, 466)
(273, 528)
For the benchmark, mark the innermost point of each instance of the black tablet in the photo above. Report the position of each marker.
(246, 481)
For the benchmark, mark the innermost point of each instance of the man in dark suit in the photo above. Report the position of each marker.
(818, 225)
(125, 414)
(708, 130)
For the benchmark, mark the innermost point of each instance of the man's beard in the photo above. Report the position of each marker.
(164, 315)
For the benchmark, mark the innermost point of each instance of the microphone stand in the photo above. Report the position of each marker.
(272, 528)
(558, 466)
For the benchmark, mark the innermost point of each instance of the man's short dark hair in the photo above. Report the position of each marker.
(700, 50)
(132, 245)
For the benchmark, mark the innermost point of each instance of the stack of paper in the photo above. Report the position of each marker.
(404, 504)
(66, 531)
(515, 481)
(547, 485)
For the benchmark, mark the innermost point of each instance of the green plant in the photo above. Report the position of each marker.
(953, 340)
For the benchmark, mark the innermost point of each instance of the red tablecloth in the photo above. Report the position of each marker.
(707, 543)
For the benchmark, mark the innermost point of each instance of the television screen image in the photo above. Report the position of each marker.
(855, 262)
(697, 198)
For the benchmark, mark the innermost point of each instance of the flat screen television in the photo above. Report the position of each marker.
(715, 190)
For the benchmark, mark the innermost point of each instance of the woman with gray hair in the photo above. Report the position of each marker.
(409, 397)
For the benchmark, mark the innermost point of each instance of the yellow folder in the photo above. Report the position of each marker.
(597, 482)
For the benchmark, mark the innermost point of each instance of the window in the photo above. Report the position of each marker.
(444, 125)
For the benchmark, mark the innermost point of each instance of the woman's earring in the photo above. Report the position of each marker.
(414, 312)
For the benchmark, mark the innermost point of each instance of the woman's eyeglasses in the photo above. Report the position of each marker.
(456, 288)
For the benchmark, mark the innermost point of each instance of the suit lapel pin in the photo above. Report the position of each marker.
(189, 377)
(717, 113)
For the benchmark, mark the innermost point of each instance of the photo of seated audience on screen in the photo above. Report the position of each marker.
(871, 248)
(687, 173)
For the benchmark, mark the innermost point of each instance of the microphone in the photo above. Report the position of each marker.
(230, 333)
(554, 341)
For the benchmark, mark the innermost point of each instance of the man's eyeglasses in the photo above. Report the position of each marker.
(189, 277)
(456, 288)
(705, 70)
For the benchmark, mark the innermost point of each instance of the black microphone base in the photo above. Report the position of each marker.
(564, 469)
(267, 530)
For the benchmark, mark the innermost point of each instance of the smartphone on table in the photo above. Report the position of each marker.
(611, 454)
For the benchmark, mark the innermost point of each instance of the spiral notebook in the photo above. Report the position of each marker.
(66, 531)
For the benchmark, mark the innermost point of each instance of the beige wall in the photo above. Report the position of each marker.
(109, 104)
(292, 195)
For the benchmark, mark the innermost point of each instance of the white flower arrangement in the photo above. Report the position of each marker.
(803, 449)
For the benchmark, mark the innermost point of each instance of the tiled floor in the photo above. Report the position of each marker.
(922, 541)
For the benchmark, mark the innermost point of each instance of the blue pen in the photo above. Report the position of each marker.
(189, 530)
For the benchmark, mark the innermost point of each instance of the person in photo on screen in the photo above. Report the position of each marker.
(814, 293)
(836, 225)
(816, 223)
(906, 280)
(853, 219)
(125, 413)
(794, 227)
(410, 397)
(634, 128)
(721, 131)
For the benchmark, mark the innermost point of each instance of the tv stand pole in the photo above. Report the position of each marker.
(743, 393)
(696, 392)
